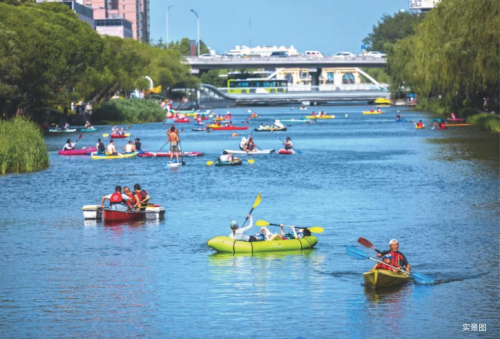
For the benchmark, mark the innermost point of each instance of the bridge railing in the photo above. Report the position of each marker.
(301, 88)
(239, 59)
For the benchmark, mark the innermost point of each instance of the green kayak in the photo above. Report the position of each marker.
(228, 245)
(235, 162)
(384, 278)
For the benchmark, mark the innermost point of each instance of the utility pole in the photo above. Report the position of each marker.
(168, 9)
(198, 19)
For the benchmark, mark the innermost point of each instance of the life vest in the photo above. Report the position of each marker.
(142, 194)
(383, 267)
(397, 259)
(250, 146)
(131, 201)
(116, 198)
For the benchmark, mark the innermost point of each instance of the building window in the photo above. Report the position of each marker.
(348, 78)
(123, 7)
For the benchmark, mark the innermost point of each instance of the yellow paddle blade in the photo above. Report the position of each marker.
(105, 135)
(210, 163)
(257, 201)
(316, 229)
(262, 223)
(251, 161)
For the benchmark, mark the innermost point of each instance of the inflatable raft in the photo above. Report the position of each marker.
(229, 128)
(83, 151)
(384, 278)
(270, 129)
(167, 154)
(284, 151)
(227, 245)
(419, 127)
(235, 162)
(120, 136)
(96, 156)
(372, 113)
(320, 116)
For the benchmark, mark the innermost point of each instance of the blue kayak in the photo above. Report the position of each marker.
(88, 129)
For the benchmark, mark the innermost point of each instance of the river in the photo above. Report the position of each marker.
(435, 191)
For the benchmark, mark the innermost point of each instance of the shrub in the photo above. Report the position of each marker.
(485, 121)
(128, 111)
(22, 148)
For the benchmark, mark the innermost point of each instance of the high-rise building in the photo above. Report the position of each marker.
(135, 11)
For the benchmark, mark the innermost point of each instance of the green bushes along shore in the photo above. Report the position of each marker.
(22, 148)
(128, 111)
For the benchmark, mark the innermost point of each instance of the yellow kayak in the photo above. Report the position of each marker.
(419, 127)
(320, 117)
(385, 278)
(107, 156)
(383, 101)
(372, 113)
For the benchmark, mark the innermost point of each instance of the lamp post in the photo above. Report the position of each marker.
(168, 9)
(198, 19)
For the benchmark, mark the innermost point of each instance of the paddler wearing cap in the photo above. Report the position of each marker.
(239, 233)
(397, 258)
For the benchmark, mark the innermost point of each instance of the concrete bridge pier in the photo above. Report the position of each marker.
(315, 74)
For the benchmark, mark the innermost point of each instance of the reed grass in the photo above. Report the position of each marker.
(128, 111)
(22, 148)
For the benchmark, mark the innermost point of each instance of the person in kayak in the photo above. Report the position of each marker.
(243, 142)
(250, 146)
(398, 258)
(117, 200)
(239, 233)
(371, 110)
(420, 124)
(173, 138)
(130, 147)
(141, 197)
(122, 132)
(101, 149)
(138, 145)
(387, 261)
(69, 146)
(115, 130)
(288, 144)
(378, 110)
(226, 157)
(111, 150)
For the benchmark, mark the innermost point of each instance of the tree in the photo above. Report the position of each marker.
(183, 47)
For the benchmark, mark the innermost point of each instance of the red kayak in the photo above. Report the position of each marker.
(109, 215)
(83, 151)
(181, 121)
(166, 154)
(120, 136)
(229, 128)
(284, 151)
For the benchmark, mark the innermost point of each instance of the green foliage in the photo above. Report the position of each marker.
(454, 53)
(379, 74)
(22, 148)
(129, 111)
(390, 29)
(212, 77)
(182, 47)
(485, 121)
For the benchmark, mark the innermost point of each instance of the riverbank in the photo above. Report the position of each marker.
(484, 121)
(22, 148)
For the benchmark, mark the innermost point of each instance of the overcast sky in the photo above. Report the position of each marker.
(329, 26)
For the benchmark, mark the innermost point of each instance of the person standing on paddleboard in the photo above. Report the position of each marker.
(173, 138)
(398, 259)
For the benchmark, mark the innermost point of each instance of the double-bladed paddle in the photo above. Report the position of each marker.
(367, 243)
(313, 229)
(360, 255)
(255, 204)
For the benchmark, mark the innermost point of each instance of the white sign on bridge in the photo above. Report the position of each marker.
(423, 4)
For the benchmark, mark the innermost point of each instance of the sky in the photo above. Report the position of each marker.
(328, 26)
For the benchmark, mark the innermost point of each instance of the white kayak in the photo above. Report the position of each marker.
(263, 151)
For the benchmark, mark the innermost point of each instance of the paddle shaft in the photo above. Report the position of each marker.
(255, 204)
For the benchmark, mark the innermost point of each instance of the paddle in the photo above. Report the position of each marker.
(182, 156)
(367, 243)
(298, 151)
(255, 204)
(314, 229)
(360, 255)
(163, 146)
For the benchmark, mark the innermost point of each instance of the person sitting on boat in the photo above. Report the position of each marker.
(398, 258)
(87, 125)
(442, 125)
(288, 144)
(228, 115)
(420, 124)
(261, 126)
(101, 149)
(267, 235)
(122, 131)
(243, 142)
(313, 114)
(138, 145)
(69, 145)
(453, 116)
(115, 130)
(174, 140)
(131, 202)
(141, 197)
(250, 146)
(130, 147)
(278, 124)
(378, 110)
(239, 233)
(226, 157)
(322, 114)
(398, 116)
(295, 234)
(387, 261)
(117, 200)
(111, 150)
(371, 110)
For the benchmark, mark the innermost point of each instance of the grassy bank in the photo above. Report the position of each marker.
(128, 111)
(22, 148)
(484, 121)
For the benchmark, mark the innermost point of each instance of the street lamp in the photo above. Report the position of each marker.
(168, 9)
(198, 19)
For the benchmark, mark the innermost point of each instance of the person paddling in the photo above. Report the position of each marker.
(69, 146)
(250, 146)
(398, 116)
(420, 124)
(226, 157)
(141, 197)
(239, 233)
(398, 259)
(173, 138)
(288, 144)
(101, 149)
(117, 200)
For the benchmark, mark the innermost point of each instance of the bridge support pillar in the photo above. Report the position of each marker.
(315, 75)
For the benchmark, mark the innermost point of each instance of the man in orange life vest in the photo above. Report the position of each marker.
(398, 259)
(117, 200)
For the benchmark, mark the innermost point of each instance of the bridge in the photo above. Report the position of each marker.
(199, 65)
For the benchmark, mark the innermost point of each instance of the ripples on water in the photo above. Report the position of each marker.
(435, 191)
